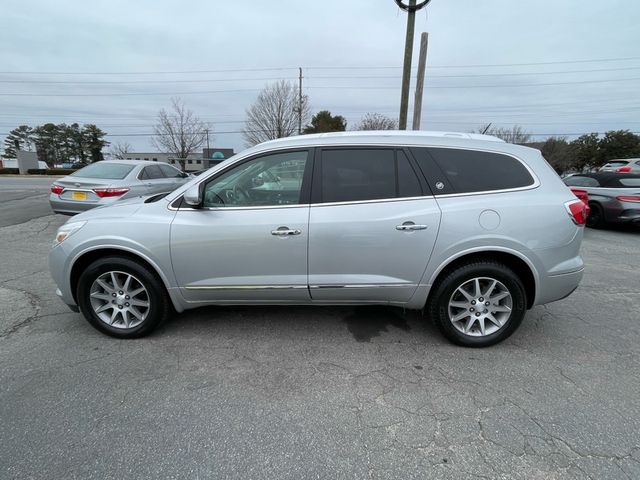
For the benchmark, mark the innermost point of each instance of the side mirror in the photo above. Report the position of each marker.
(192, 197)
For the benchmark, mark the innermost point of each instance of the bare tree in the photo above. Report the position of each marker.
(275, 113)
(515, 134)
(179, 132)
(377, 121)
(120, 150)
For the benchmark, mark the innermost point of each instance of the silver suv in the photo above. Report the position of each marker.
(472, 229)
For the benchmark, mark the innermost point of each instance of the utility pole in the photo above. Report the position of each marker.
(422, 64)
(300, 103)
(411, 9)
(207, 130)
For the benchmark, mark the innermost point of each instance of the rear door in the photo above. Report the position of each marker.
(154, 179)
(175, 177)
(372, 226)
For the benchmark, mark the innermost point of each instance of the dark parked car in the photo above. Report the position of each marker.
(613, 197)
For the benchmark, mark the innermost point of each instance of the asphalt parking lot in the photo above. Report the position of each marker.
(298, 392)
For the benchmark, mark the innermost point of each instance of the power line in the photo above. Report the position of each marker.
(333, 77)
(341, 87)
(332, 67)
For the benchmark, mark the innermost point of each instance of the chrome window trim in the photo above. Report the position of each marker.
(535, 184)
(306, 205)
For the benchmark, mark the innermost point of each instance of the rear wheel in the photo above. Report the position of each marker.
(478, 304)
(122, 298)
(596, 216)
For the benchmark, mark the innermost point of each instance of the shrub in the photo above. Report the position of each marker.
(36, 171)
(60, 171)
(9, 171)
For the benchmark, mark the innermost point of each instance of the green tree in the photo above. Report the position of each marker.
(557, 152)
(76, 140)
(49, 143)
(619, 144)
(585, 151)
(323, 122)
(23, 135)
(94, 142)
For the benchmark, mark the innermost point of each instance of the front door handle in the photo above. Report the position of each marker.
(410, 226)
(285, 232)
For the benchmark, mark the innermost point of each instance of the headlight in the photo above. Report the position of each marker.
(66, 230)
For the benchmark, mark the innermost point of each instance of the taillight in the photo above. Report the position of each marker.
(628, 198)
(623, 169)
(581, 194)
(110, 192)
(577, 211)
(57, 189)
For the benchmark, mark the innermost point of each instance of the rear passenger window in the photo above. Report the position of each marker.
(354, 174)
(367, 174)
(151, 172)
(468, 171)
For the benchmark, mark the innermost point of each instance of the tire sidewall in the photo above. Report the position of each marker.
(157, 308)
(440, 304)
(595, 222)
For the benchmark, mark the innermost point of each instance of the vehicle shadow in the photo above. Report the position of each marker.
(364, 323)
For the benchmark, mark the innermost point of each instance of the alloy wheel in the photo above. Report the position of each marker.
(480, 306)
(119, 299)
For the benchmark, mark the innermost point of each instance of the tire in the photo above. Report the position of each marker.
(596, 216)
(474, 327)
(131, 310)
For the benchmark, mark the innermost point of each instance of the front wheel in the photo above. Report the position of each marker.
(122, 298)
(478, 304)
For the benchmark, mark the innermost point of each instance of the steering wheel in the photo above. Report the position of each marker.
(240, 194)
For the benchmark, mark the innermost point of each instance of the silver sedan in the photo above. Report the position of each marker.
(106, 182)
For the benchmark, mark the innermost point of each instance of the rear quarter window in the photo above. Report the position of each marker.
(469, 171)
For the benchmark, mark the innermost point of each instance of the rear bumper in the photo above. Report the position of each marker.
(558, 286)
(69, 207)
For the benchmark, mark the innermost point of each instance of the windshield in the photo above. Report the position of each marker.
(109, 171)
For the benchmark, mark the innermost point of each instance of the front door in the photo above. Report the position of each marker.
(372, 226)
(248, 242)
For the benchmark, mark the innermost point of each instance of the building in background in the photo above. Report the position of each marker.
(194, 162)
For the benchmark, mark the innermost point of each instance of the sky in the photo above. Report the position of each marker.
(556, 67)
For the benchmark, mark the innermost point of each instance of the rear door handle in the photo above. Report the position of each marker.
(285, 232)
(410, 226)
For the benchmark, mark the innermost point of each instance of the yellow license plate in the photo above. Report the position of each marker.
(78, 195)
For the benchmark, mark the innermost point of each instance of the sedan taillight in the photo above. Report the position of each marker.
(628, 198)
(57, 189)
(110, 192)
(577, 211)
(624, 169)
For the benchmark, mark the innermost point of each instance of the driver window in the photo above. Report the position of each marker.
(264, 181)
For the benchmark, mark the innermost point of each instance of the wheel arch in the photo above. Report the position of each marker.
(82, 261)
(521, 267)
